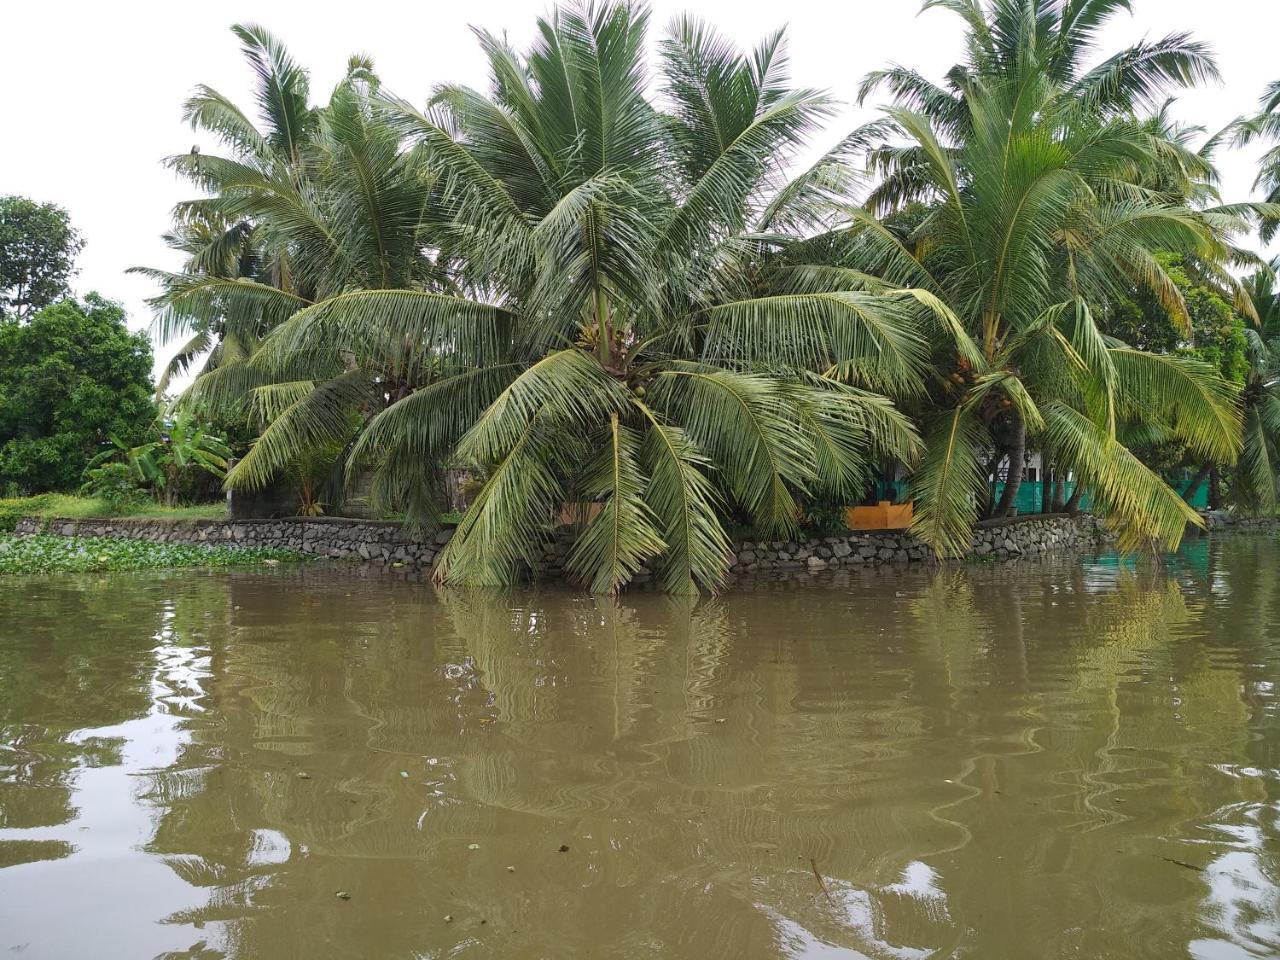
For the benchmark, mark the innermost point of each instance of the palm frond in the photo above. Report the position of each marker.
(623, 535)
(315, 417)
(947, 485)
(283, 89)
(1144, 73)
(194, 302)
(869, 339)
(687, 509)
(508, 523)
(568, 388)
(1200, 407)
(743, 424)
(1142, 509)
(1254, 481)
(388, 323)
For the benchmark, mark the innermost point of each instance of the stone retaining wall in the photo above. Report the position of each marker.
(377, 541)
(387, 543)
(1009, 539)
(1221, 521)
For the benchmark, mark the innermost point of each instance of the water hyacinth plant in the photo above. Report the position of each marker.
(50, 554)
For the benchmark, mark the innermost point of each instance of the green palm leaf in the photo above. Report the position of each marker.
(568, 389)
(315, 418)
(1256, 469)
(192, 302)
(870, 339)
(948, 483)
(388, 323)
(687, 509)
(1200, 406)
(745, 426)
(1142, 508)
(623, 535)
(507, 525)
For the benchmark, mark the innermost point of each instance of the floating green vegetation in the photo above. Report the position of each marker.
(48, 554)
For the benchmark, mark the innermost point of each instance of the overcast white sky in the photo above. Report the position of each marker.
(91, 93)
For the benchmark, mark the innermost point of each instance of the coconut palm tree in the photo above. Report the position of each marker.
(215, 252)
(1253, 484)
(1054, 38)
(582, 299)
(241, 274)
(1265, 126)
(1025, 217)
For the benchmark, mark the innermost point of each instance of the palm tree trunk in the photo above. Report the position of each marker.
(888, 471)
(1073, 504)
(1014, 480)
(1189, 491)
(1215, 490)
(1046, 488)
(986, 512)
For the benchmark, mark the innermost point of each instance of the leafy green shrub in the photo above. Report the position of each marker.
(114, 483)
(823, 518)
(70, 377)
(179, 448)
(14, 509)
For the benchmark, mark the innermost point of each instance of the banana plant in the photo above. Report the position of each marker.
(180, 447)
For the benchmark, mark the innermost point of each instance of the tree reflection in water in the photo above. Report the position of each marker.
(1048, 759)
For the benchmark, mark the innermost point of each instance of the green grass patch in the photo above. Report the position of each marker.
(48, 554)
(65, 506)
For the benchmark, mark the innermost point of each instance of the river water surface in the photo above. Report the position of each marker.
(1066, 759)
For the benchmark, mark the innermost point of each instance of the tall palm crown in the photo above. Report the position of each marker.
(1254, 482)
(222, 238)
(1265, 126)
(582, 297)
(1060, 37)
(1025, 201)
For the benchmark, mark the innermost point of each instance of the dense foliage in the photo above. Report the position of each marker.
(38, 248)
(610, 329)
(177, 448)
(1212, 330)
(71, 376)
(583, 294)
(1253, 481)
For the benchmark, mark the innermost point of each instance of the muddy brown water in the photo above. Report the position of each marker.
(1076, 758)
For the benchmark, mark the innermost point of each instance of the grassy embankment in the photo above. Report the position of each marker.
(50, 505)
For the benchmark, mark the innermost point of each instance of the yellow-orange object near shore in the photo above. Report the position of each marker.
(883, 516)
